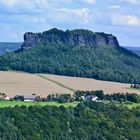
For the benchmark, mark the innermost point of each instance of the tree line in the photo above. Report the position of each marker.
(120, 97)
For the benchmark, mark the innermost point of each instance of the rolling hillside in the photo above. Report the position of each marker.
(13, 83)
(135, 50)
(6, 47)
(80, 53)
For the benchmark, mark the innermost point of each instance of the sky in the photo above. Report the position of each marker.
(118, 17)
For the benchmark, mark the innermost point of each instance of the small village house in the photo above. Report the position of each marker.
(89, 98)
(4, 97)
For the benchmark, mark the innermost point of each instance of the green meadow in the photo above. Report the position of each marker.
(41, 103)
(131, 105)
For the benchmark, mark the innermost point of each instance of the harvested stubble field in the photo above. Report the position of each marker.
(13, 83)
(78, 83)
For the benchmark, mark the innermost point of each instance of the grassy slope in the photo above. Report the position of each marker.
(133, 105)
(4, 104)
(127, 104)
(21, 103)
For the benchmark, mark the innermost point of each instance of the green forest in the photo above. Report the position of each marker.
(87, 121)
(104, 62)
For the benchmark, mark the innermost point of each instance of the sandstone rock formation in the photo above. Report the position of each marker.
(79, 37)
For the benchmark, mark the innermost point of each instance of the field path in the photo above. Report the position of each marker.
(57, 83)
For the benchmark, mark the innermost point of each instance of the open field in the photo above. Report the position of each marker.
(4, 104)
(129, 104)
(13, 83)
(77, 83)
(133, 105)
(41, 103)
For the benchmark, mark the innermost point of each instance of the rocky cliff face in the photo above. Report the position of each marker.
(80, 38)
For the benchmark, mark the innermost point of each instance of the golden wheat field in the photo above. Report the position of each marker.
(13, 83)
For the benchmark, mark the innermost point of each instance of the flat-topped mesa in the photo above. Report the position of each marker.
(78, 37)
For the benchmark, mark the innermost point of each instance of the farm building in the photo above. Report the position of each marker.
(29, 98)
(26, 98)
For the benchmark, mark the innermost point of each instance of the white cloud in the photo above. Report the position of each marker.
(134, 1)
(78, 14)
(11, 3)
(129, 1)
(114, 7)
(24, 3)
(129, 20)
(90, 1)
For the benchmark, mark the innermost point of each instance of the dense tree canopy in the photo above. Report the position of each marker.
(104, 62)
(87, 121)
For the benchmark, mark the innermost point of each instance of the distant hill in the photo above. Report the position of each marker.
(79, 52)
(6, 47)
(135, 50)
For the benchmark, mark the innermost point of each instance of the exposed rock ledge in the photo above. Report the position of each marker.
(79, 37)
